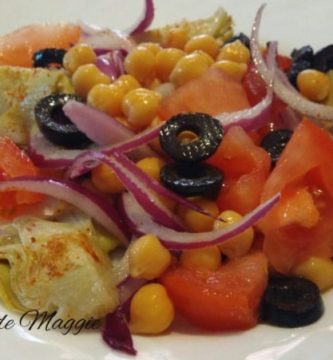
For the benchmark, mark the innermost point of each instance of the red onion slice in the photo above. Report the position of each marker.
(111, 63)
(133, 183)
(116, 333)
(90, 160)
(291, 97)
(249, 119)
(136, 141)
(129, 287)
(88, 202)
(106, 65)
(256, 54)
(154, 184)
(175, 240)
(47, 155)
(118, 57)
(146, 19)
(100, 127)
(100, 38)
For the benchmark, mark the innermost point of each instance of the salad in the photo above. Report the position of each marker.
(165, 172)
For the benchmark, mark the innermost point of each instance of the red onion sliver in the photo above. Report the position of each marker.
(47, 155)
(79, 166)
(118, 57)
(90, 160)
(249, 119)
(106, 65)
(136, 141)
(105, 38)
(116, 333)
(129, 287)
(111, 63)
(291, 97)
(299, 103)
(144, 195)
(88, 202)
(175, 240)
(257, 57)
(154, 184)
(100, 127)
(146, 20)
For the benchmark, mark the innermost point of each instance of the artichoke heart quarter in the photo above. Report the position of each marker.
(59, 266)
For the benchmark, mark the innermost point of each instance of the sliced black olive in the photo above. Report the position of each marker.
(323, 59)
(291, 302)
(274, 143)
(241, 37)
(304, 53)
(55, 125)
(296, 68)
(46, 57)
(192, 179)
(208, 135)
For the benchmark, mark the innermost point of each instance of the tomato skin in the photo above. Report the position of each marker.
(300, 225)
(245, 166)
(211, 93)
(17, 48)
(15, 163)
(227, 299)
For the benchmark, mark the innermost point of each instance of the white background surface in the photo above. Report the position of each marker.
(292, 23)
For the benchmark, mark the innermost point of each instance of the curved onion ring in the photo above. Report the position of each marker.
(47, 155)
(291, 97)
(146, 19)
(133, 183)
(88, 202)
(175, 240)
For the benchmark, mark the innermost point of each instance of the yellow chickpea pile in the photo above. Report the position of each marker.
(134, 98)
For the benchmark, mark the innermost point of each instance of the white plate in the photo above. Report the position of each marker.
(293, 23)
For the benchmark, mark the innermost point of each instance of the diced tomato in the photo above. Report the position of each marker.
(284, 62)
(256, 88)
(301, 225)
(254, 85)
(212, 93)
(14, 163)
(245, 166)
(227, 299)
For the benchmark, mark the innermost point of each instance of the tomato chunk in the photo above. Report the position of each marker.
(300, 225)
(245, 166)
(211, 93)
(227, 299)
(14, 162)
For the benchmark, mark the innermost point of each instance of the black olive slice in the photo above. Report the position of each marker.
(208, 135)
(192, 179)
(291, 302)
(55, 125)
(303, 53)
(274, 143)
(46, 57)
(323, 59)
